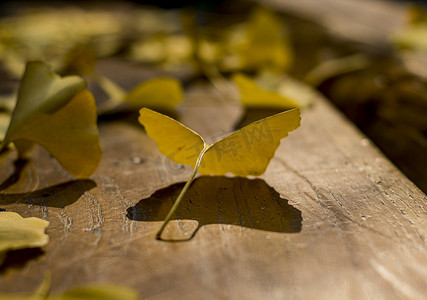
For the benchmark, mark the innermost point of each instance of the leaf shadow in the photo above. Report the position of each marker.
(130, 116)
(254, 114)
(20, 165)
(59, 195)
(18, 259)
(249, 203)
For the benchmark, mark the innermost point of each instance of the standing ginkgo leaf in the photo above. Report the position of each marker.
(245, 152)
(18, 233)
(60, 115)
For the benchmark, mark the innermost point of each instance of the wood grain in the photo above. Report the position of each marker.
(331, 218)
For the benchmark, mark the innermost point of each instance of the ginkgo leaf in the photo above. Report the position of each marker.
(60, 115)
(17, 232)
(70, 135)
(158, 93)
(246, 152)
(98, 291)
(85, 292)
(255, 97)
(41, 92)
(268, 42)
(260, 43)
(4, 123)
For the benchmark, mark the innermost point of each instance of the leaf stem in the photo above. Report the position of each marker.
(115, 93)
(182, 193)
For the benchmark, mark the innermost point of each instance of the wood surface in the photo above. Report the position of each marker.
(331, 218)
(369, 22)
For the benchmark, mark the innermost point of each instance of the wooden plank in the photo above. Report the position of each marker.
(331, 218)
(369, 22)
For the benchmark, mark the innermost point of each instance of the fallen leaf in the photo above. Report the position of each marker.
(4, 123)
(60, 115)
(48, 33)
(253, 96)
(74, 139)
(157, 93)
(98, 291)
(245, 152)
(41, 91)
(85, 292)
(17, 232)
(336, 66)
(162, 94)
(260, 43)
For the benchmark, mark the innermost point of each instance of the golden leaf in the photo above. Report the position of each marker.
(17, 232)
(245, 152)
(253, 96)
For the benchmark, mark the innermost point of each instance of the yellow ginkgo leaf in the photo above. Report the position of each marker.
(4, 123)
(158, 93)
(86, 292)
(41, 92)
(60, 115)
(268, 42)
(253, 96)
(18, 233)
(245, 152)
(70, 135)
(260, 43)
(98, 291)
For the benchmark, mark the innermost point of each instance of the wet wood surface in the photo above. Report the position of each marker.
(331, 218)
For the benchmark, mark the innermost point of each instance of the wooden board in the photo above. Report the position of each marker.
(369, 22)
(331, 218)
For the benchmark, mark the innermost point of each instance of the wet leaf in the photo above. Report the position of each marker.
(253, 96)
(17, 232)
(58, 114)
(246, 152)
